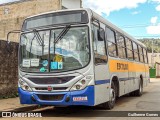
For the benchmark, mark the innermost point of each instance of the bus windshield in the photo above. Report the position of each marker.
(71, 51)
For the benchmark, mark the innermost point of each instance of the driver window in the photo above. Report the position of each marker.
(99, 48)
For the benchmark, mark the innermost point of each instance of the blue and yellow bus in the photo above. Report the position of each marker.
(76, 57)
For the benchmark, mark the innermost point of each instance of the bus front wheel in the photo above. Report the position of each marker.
(110, 104)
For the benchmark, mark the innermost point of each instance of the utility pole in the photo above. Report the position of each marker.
(152, 55)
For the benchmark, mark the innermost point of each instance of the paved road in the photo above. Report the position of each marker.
(149, 101)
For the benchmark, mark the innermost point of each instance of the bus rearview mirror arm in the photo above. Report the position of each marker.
(8, 42)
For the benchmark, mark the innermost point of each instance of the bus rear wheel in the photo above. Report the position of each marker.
(110, 104)
(139, 92)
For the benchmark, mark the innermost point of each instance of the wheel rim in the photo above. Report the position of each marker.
(113, 94)
(140, 88)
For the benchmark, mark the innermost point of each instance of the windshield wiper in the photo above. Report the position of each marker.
(39, 39)
(61, 35)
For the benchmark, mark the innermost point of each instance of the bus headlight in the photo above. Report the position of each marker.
(81, 84)
(24, 85)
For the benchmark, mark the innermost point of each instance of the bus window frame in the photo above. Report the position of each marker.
(114, 32)
(106, 54)
(125, 47)
(119, 34)
(126, 38)
(140, 47)
(147, 56)
(133, 42)
(143, 55)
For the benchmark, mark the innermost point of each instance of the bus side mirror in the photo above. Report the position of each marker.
(101, 34)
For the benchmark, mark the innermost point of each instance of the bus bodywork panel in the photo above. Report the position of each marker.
(129, 74)
(102, 84)
(82, 97)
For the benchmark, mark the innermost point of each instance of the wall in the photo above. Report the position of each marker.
(71, 4)
(156, 58)
(11, 18)
(13, 14)
(8, 69)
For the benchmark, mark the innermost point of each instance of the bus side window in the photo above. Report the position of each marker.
(135, 49)
(121, 46)
(145, 55)
(140, 53)
(129, 49)
(99, 48)
(112, 46)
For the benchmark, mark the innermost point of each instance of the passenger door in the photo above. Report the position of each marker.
(101, 67)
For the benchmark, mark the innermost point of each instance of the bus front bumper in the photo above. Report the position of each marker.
(83, 97)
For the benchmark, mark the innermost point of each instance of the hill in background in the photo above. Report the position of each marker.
(148, 43)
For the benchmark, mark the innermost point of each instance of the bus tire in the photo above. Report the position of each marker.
(139, 92)
(111, 103)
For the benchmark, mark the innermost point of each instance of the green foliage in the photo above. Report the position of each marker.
(148, 43)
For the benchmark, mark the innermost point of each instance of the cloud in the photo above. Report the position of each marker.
(158, 8)
(158, 1)
(107, 6)
(6, 1)
(135, 12)
(154, 20)
(155, 27)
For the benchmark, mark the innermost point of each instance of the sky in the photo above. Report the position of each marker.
(139, 18)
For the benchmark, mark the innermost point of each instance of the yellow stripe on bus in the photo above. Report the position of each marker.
(127, 66)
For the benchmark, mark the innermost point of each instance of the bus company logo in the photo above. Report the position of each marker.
(49, 88)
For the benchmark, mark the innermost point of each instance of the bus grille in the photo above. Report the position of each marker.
(50, 97)
(51, 80)
(46, 89)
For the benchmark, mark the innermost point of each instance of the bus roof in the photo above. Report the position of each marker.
(100, 18)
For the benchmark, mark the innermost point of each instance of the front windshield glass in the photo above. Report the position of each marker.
(33, 54)
(70, 52)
